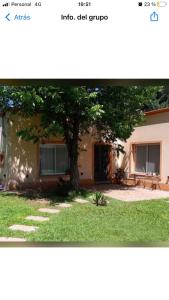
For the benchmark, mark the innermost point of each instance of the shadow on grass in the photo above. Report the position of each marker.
(9, 193)
(54, 196)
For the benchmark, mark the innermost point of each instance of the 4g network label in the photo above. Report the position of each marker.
(85, 17)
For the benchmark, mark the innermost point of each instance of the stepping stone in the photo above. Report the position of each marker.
(24, 228)
(81, 201)
(37, 218)
(11, 239)
(49, 210)
(64, 205)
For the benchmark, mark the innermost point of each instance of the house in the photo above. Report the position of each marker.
(24, 164)
(148, 149)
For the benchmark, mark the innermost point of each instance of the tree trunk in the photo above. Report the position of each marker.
(74, 174)
(72, 146)
(72, 138)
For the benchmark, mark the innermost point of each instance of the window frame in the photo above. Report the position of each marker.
(134, 145)
(54, 144)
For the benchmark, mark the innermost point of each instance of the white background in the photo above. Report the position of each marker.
(128, 45)
(119, 273)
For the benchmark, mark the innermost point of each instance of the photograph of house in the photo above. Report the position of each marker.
(41, 165)
(84, 164)
(60, 133)
(25, 164)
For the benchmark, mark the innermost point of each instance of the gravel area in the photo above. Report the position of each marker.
(130, 193)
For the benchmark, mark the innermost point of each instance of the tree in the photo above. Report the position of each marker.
(71, 111)
(159, 100)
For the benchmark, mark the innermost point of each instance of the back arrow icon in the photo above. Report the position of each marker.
(7, 17)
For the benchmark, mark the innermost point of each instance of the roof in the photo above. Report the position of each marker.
(157, 111)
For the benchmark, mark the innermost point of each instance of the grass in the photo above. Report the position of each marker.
(144, 221)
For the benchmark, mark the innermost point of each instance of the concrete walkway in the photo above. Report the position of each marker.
(130, 194)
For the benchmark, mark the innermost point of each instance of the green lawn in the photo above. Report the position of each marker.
(144, 221)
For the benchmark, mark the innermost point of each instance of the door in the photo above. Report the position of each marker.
(101, 162)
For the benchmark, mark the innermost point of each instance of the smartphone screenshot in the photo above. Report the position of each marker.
(84, 149)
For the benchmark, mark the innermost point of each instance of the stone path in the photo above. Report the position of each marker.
(37, 218)
(81, 201)
(25, 228)
(64, 205)
(11, 239)
(30, 228)
(49, 210)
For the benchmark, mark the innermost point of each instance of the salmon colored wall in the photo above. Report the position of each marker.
(154, 130)
(157, 118)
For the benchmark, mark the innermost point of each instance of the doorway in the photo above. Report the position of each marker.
(102, 162)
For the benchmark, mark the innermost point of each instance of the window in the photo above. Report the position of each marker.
(53, 159)
(148, 158)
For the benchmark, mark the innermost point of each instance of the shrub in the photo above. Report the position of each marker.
(100, 199)
(64, 188)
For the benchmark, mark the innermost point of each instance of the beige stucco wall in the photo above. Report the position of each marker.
(155, 129)
(22, 158)
(86, 157)
(159, 118)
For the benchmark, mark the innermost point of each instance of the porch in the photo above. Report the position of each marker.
(129, 193)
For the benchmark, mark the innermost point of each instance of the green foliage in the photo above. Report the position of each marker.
(70, 111)
(120, 175)
(115, 111)
(63, 188)
(100, 199)
(123, 110)
(160, 98)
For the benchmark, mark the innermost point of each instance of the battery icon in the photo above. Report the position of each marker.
(161, 3)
